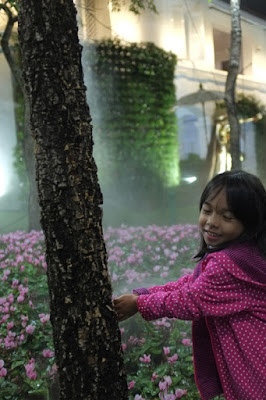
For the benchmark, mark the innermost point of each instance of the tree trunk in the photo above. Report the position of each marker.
(28, 145)
(86, 333)
(235, 51)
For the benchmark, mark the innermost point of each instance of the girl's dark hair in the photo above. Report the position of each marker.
(246, 197)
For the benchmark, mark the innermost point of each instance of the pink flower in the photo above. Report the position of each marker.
(131, 384)
(31, 374)
(2, 363)
(30, 329)
(9, 343)
(168, 380)
(44, 318)
(172, 359)
(166, 350)
(3, 372)
(187, 342)
(47, 353)
(154, 377)
(4, 318)
(20, 338)
(24, 320)
(169, 397)
(31, 304)
(145, 359)
(53, 371)
(10, 298)
(162, 385)
(20, 298)
(180, 393)
(15, 283)
(23, 290)
(10, 325)
(2, 300)
(11, 334)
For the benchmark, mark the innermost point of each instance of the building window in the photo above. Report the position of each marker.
(221, 41)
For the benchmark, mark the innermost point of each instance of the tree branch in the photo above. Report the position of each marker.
(15, 69)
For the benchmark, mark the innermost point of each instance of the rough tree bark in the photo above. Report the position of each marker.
(33, 202)
(234, 62)
(86, 333)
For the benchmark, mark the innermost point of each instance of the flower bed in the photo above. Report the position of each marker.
(158, 355)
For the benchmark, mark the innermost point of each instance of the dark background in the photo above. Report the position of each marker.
(255, 7)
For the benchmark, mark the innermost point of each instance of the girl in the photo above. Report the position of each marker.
(226, 296)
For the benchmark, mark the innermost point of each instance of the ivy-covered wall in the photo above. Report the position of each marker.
(131, 94)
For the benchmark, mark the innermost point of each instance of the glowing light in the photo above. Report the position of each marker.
(190, 179)
(169, 43)
(168, 35)
(225, 160)
(126, 29)
(3, 182)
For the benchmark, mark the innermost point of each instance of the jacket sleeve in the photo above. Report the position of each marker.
(216, 292)
(170, 286)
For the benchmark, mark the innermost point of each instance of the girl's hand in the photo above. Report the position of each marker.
(125, 306)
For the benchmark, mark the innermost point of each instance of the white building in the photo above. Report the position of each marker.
(198, 31)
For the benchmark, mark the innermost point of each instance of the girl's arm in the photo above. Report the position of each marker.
(126, 305)
(216, 292)
(171, 286)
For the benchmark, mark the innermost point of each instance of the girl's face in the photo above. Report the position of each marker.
(217, 223)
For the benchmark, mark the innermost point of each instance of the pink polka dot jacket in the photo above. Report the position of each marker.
(226, 300)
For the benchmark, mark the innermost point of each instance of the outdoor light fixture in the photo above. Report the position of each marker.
(190, 179)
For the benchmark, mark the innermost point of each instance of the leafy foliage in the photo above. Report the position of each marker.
(25, 331)
(136, 6)
(131, 94)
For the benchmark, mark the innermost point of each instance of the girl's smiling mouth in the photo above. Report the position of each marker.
(212, 234)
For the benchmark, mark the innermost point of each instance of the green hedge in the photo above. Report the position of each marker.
(131, 94)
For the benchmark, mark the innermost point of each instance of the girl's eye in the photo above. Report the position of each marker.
(206, 210)
(228, 217)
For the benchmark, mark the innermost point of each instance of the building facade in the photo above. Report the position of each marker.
(198, 32)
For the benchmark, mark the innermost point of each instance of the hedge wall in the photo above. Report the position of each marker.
(131, 94)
